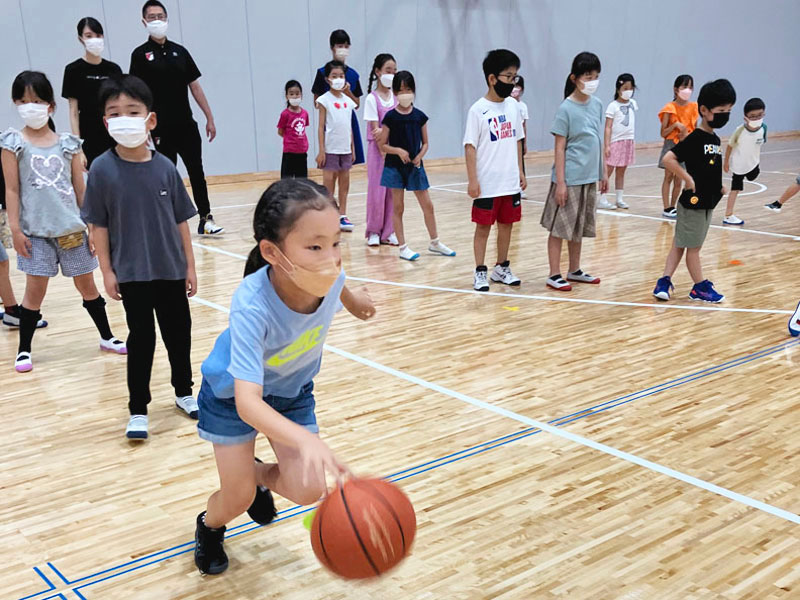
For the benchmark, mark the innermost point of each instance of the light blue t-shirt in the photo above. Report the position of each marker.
(267, 342)
(582, 125)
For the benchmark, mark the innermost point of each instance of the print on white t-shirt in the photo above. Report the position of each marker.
(338, 131)
(624, 115)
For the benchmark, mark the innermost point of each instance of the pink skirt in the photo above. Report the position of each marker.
(623, 153)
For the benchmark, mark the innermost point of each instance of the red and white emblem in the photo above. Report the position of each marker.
(149, 56)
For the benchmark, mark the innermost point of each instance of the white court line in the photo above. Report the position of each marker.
(558, 432)
(416, 286)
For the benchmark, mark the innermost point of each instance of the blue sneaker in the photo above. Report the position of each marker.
(794, 322)
(663, 288)
(705, 291)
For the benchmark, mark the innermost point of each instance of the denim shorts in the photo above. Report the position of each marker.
(219, 422)
(408, 177)
(3, 254)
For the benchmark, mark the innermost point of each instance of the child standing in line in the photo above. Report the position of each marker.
(569, 211)
(678, 119)
(494, 166)
(701, 152)
(516, 94)
(743, 154)
(292, 128)
(380, 219)
(260, 375)
(335, 156)
(787, 194)
(131, 190)
(619, 148)
(43, 172)
(404, 139)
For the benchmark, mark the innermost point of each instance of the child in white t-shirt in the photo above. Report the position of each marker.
(743, 154)
(619, 146)
(517, 93)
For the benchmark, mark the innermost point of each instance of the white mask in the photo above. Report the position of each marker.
(342, 53)
(34, 114)
(94, 45)
(626, 94)
(405, 100)
(130, 132)
(590, 87)
(158, 29)
(337, 83)
(685, 94)
(755, 123)
(295, 101)
(386, 79)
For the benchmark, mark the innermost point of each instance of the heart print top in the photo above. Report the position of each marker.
(48, 207)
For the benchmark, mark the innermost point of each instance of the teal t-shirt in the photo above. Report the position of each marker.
(582, 125)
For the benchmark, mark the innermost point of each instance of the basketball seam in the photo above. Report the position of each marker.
(358, 535)
(390, 508)
(319, 532)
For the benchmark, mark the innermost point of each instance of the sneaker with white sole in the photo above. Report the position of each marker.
(480, 282)
(391, 240)
(502, 274)
(582, 277)
(774, 206)
(437, 247)
(558, 283)
(374, 240)
(188, 405)
(622, 204)
(23, 362)
(208, 227)
(605, 204)
(732, 220)
(137, 427)
(113, 345)
(670, 213)
(345, 224)
(663, 288)
(407, 253)
(11, 318)
(794, 322)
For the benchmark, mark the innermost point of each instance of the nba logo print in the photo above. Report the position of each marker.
(149, 56)
(494, 129)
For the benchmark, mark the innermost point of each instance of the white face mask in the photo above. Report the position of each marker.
(34, 114)
(130, 132)
(158, 29)
(405, 100)
(295, 101)
(342, 53)
(337, 83)
(590, 87)
(755, 123)
(387, 79)
(94, 45)
(685, 94)
(626, 94)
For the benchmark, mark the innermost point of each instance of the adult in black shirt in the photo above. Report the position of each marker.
(170, 72)
(82, 80)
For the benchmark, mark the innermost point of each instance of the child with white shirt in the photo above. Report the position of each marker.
(743, 154)
(619, 148)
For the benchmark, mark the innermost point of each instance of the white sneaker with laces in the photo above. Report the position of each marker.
(605, 204)
(211, 228)
(188, 405)
(391, 240)
(113, 345)
(137, 427)
(438, 247)
(732, 220)
(502, 274)
(481, 281)
(622, 204)
(374, 240)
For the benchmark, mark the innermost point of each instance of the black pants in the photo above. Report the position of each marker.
(294, 165)
(171, 306)
(186, 142)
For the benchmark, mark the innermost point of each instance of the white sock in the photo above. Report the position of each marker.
(403, 247)
(619, 196)
(434, 241)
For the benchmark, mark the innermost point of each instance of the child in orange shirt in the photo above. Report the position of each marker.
(678, 119)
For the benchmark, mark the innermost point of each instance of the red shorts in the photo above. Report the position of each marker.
(503, 209)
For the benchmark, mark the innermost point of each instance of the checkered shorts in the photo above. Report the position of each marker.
(3, 254)
(46, 255)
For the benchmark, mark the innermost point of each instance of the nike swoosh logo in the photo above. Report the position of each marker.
(484, 112)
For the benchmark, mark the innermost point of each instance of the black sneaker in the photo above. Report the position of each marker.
(209, 555)
(774, 206)
(262, 510)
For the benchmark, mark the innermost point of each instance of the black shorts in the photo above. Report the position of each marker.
(294, 165)
(737, 181)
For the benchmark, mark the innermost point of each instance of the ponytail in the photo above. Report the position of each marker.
(378, 63)
(583, 63)
(569, 87)
(254, 261)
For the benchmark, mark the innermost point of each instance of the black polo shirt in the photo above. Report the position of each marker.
(167, 70)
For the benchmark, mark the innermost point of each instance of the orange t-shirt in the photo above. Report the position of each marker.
(686, 114)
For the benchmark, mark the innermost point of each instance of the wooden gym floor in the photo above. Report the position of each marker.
(668, 468)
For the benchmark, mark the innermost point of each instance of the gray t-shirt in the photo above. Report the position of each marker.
(48, 207)
(141, 204)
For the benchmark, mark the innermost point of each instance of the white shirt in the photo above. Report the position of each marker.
(338, 115)
(523, 111)
(624, 119)
(494, 130)
(746, 149)
(371, 107)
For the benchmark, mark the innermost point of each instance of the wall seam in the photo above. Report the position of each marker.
(252, 86)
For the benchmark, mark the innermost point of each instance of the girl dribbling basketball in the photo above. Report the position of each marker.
(259, 376)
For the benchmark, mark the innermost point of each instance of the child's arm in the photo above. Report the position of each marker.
(525, 139)
(321, 136)
(387, 149)
(280, 131)
(523, 181)
(560, 159)
(191, 274)
(471, 156)
(666, 128)
(22, 244)
(607, 138)
(424, 149)
(672, 165)
(102, 250)
(359, 304)
(78, 184)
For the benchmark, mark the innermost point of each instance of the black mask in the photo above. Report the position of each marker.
(719, 120)
(503, 89)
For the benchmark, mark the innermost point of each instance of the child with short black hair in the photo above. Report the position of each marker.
(292, 128)
(133, 190)
(743, 154)
(701, 152)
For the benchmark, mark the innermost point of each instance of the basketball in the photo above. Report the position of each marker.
(363, 529)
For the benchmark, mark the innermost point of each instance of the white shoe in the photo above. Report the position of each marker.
(188, 405)
(113, 345)
(603, 203)
(558, 284)
(670, 213)
(391, 240)
(794, 322)
(407, 253)
(209, 227)
(582, 277)
(137, 427)
(502, 274)
(23, 363)
(622, 204)
(481, 281)
(732, 220)
(438, 247)
(374, 240)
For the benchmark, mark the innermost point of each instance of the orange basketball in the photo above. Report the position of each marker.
(363, 528)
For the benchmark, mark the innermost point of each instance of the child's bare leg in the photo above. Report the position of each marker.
(479, 242)
(790, 191)
(344, 189)
(619, 178)
(574, 249)
(398, 208)
(329, 181)
(286, 477)
(35, 289)
(665, 185)
(237, 483)
(503, 241)
(6, 291)
(731, 202)
(693, 264)
(677, 187)
(86, 286)
(554, 254)
(424, 199)
(673, 260)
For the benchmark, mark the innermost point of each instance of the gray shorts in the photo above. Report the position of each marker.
(46, 255)
(692, 226)
(338, 162)
(576, 219)
(668, 145)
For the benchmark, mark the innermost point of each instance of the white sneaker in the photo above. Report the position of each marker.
(188, 405)
(23, 363)
(622, 204)
(374, 240)
(502, 274)
(407, 253)
(732, 220)
(604, 203)
(670, 213)
(137, 427)
(794, 322)
(481, 281)
(438, 247)
(392, 240)
(113, 345)
(209, 227)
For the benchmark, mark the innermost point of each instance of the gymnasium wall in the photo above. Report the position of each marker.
(247, 49)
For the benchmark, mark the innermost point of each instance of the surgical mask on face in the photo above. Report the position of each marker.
(94, 45)
(685, 94)
(130, 132)
(342, 53)
(387, 79)
(34, 115)
(515, 93)
(590, 87)
(405, 100)
(719, 120)
(317, 282)
(295, 101)
(337, 83)
(158, 29)
(754, 123)
(626, 94)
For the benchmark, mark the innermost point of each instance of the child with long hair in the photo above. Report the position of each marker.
(619, 148)
(678, 119)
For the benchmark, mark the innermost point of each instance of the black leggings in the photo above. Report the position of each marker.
(187, 143)
(294, 165)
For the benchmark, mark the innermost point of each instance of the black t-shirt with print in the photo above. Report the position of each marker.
(702, 153)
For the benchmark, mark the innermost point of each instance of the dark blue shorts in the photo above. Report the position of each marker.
(408, 177)
(219, 422)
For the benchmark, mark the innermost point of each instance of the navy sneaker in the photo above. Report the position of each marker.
(209, 553)
(663, 288)
(705, 291)
(262, 510)
(794, 322)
